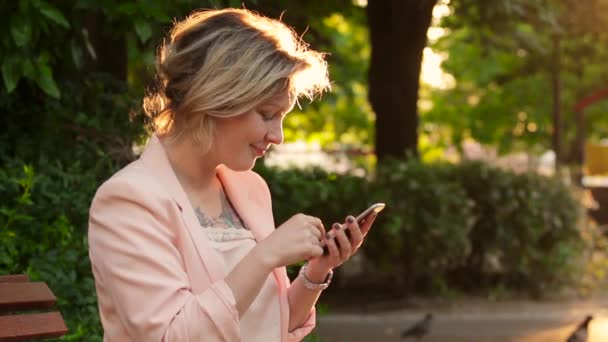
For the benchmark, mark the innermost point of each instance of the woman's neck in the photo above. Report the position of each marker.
(195, 171)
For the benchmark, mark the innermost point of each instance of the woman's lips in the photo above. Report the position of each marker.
(259, 152)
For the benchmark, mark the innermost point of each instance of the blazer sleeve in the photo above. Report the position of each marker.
(140, 276)
(298, 333)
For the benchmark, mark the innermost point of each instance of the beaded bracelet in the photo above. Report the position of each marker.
(312, 285)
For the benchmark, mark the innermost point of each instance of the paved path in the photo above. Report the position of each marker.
(524, 321)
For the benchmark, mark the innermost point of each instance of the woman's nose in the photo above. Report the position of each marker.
(275, 133)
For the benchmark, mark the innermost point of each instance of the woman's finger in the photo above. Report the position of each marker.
(316, 222)
(356, 236)
(344, 243)
(312, 230)
(314, 240)
(332, 248)
(317, 250)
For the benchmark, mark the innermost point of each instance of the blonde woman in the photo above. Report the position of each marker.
(182, 241)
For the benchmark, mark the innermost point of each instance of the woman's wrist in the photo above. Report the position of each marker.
(315, 284)
(265, 259)
(316, 274)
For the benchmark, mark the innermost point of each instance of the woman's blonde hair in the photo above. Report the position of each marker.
(222, 63)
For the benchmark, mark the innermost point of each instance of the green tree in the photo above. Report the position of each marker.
(520, 66)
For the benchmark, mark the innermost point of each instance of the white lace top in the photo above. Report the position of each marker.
(262, 321)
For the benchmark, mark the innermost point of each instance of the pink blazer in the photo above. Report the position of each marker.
(156, 274)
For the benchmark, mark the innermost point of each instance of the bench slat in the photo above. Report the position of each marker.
(20, 296)
(29, 326)
(14, 278)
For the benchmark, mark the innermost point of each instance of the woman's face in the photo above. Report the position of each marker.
(240, 140)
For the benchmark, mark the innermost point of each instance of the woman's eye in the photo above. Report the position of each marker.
(267, 117)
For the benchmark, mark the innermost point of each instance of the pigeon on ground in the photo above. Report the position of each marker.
(580, 334)
(419, 329)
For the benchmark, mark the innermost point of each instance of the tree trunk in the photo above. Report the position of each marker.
(398, 31)
(556, 97)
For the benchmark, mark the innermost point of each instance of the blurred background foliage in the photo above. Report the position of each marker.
(503, 56)
(74, 73)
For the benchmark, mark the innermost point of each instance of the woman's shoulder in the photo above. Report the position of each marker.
(132, 181)
(256, 179)
(249, 179)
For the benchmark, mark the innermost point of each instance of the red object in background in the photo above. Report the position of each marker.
(589, 100)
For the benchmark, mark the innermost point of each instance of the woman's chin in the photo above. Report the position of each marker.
(241, 165)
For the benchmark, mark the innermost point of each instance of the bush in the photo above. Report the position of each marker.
(47, 181)
(527, 223)
(43, 233)
(95, 125)
(423, 233)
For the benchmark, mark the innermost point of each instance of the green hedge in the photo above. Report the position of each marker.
(423, 233)
(43, 217)
(528, 221)
(53, 156)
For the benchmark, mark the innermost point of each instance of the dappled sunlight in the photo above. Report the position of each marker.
(431, 72)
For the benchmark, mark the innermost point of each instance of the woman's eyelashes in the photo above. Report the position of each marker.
(268, 116)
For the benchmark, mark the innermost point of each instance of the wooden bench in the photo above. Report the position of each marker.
(18, 294)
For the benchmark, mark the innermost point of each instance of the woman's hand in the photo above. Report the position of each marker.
(299, 238)
(341, 246)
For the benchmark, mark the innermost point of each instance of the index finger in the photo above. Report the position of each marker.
(316, 222)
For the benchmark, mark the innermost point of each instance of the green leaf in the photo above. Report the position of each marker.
(46, 82)
(127, 8)
(43, 58)
(21, 30)
(143, 30)
(54, 14)
(28, 69)
(10, 74)
(76, 55)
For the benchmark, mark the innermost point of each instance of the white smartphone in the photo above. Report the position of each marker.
(361, 218)
(374, 208)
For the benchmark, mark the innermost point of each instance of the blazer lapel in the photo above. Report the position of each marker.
(156, 161)
(253, 209)
(253, 206)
